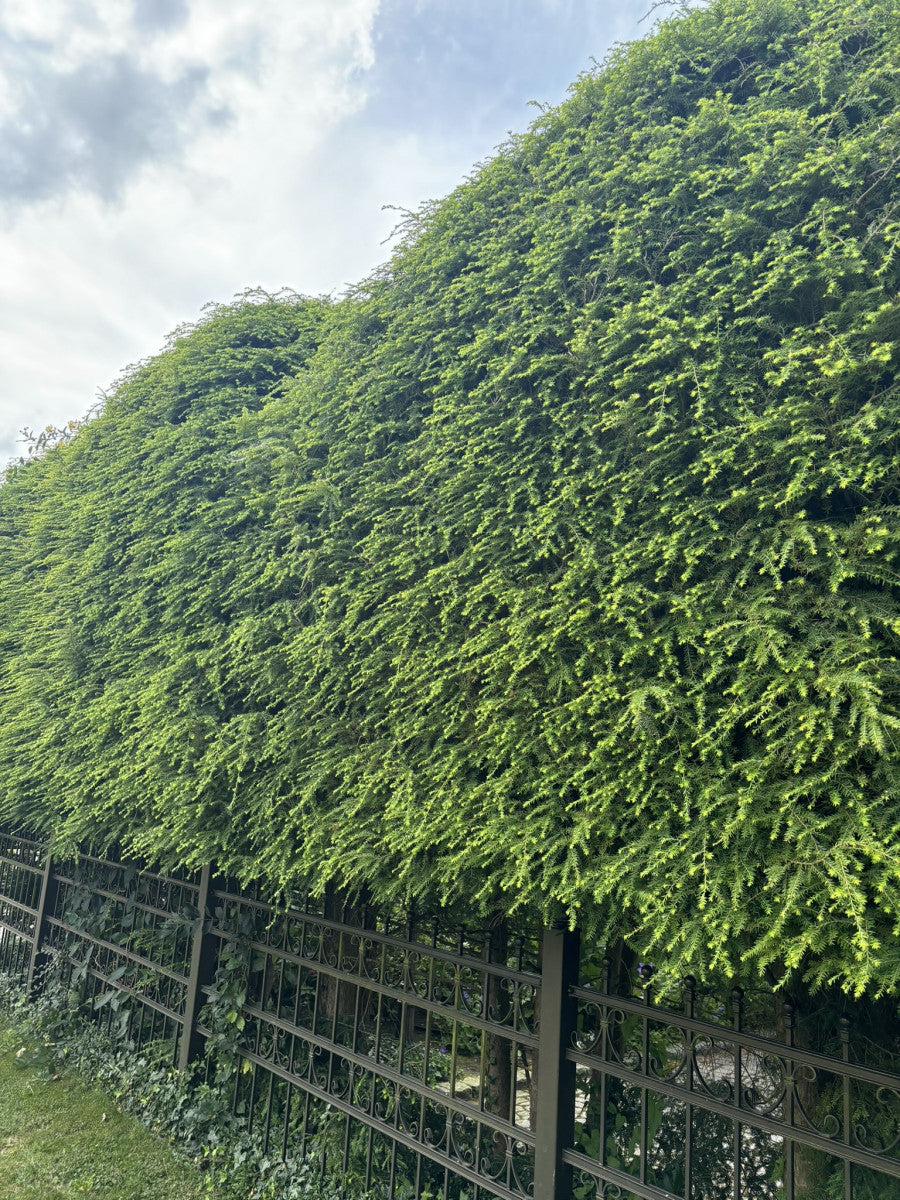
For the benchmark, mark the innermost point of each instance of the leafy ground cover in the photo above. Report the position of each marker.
(46, 1044)
(59, 1138)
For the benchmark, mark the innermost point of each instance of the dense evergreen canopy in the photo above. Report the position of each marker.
(556, 566)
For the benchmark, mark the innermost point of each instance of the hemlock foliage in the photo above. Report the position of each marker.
(557, 565)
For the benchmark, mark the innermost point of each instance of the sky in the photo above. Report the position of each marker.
(157, 155)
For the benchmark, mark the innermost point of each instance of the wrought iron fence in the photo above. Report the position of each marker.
(401, 1051)
(418, 1058)
(708, 1096)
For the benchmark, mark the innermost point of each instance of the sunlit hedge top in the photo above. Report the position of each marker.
(564, 572)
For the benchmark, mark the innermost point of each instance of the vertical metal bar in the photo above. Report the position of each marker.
(304, 1128)
(379, 1012)
(392, 1177)
(484, 1052)
(268, 1127)
(280, 992)
(201, 974)
(417, 1186)
(425, 1077)
(286, 1122)
(345, 1157)
(235, 1093)
(645, 972)
(254, 1076)
(556, 1079)
(513, 1069)
(845, 1055)
(335, 987)
(357, 1015)
(317, 989)
(454, 1054)
(605, 1054)
(689, 1001)
(790, 1067)
(401, 1037)
(45, 906)
(370, 1141)
(737, 996)
(482, 1066)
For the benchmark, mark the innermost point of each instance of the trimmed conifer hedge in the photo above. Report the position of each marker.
(556, 566)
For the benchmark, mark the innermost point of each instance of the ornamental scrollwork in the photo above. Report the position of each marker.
(461, 1141)
(881, 1132)
(589, 1187)
(500, 1009)
(670, 1052)
(521, 1166)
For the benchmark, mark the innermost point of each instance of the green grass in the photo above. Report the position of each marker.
(59, 1139)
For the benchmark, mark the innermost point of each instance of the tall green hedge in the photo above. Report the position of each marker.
(555, 566)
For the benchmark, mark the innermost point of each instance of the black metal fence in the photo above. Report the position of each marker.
(417, 1059)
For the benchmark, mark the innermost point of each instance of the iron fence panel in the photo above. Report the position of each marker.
(674, 1104)
(413, 1056)
(400, 1038)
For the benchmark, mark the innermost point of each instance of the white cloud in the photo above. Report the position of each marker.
(94, 275)
(241, 143)
(90, 95)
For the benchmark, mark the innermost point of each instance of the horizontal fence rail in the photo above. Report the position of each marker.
(416, 1058)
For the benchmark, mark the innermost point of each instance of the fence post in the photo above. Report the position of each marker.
(46, 904)
(556, 1075)
(202, 972)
